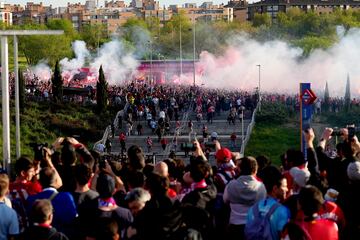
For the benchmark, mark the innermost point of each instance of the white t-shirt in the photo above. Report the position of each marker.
(162, 114)
(100, 147)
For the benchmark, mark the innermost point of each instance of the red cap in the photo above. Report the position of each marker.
(224, 154)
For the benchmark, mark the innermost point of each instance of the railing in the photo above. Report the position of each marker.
(108, 129)
(249, 130)
(116, 120)
(104, 138)
(181, 129)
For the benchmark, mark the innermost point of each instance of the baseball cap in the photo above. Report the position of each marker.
(353, 171)
(223, 154)
(300, 176)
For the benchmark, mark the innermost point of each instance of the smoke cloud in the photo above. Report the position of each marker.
(71, 67)
(118, 65)
(42, 71)
(282, 66)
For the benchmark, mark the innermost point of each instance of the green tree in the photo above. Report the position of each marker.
(45, 47)
(57, 84)
(310, 43)
(136, 36)
(63, 24)
(101, 91)
(21, 90)
(153, 24)
(94, 35)
(169, 41)
(261, 19)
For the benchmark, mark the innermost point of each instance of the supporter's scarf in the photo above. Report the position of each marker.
(201, 184)
(44, 225)
(109, 202)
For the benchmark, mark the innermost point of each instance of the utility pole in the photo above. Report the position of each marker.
(194, 45)
(259, 92)
(181, 65)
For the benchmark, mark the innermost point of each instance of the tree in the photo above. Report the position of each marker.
(63, 24)
(46, 47)
(347, 94)
(310, 43)
(57, 84)
(261, 19)
(94, 35)
(137, 36)
(326, 98)
(21, 90)
(101, 91)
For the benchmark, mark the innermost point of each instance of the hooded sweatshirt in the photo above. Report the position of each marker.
(241, 194)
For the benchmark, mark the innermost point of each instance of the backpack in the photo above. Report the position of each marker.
(259, 228)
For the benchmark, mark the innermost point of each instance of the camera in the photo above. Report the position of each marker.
(210, 145)
(39, 153)
(188, 147)
(352, 130)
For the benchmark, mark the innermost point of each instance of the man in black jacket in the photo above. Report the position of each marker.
(41, 216)
(198, 204)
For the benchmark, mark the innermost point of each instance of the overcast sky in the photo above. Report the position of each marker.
(101, 2)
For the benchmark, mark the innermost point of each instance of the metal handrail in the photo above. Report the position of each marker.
(108, 129)
(181, 128)
(249, 130)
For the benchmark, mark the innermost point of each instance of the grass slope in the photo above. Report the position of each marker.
(275, 131)
(44, 122)
(273, 140)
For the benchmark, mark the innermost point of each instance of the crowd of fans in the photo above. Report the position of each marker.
(158, 106)
(68, 192)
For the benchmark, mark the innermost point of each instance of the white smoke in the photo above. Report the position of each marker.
(117, 63)
(72, 66)
(41, 71)
(282, 66)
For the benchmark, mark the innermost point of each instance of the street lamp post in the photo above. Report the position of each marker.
(259, 88)
(194, 46)
(151, 66)
(181, 65)
(162, 57)
(5, 89)
(242, 125)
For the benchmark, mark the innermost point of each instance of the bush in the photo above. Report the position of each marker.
(274, 113)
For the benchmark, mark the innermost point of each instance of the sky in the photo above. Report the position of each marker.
(57, 3)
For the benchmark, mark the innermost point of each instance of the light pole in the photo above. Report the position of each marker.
(180, 46)
(151, 67)
(162, 57)
(242, 125)
(259, 93)
(194, 42)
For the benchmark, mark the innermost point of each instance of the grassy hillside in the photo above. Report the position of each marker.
(275, 131)
(44, 122)
(273, 140)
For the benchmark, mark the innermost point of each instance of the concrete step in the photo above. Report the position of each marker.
(217, 126)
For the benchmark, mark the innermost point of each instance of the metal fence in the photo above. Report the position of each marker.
(109, 129)
(249, 130)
